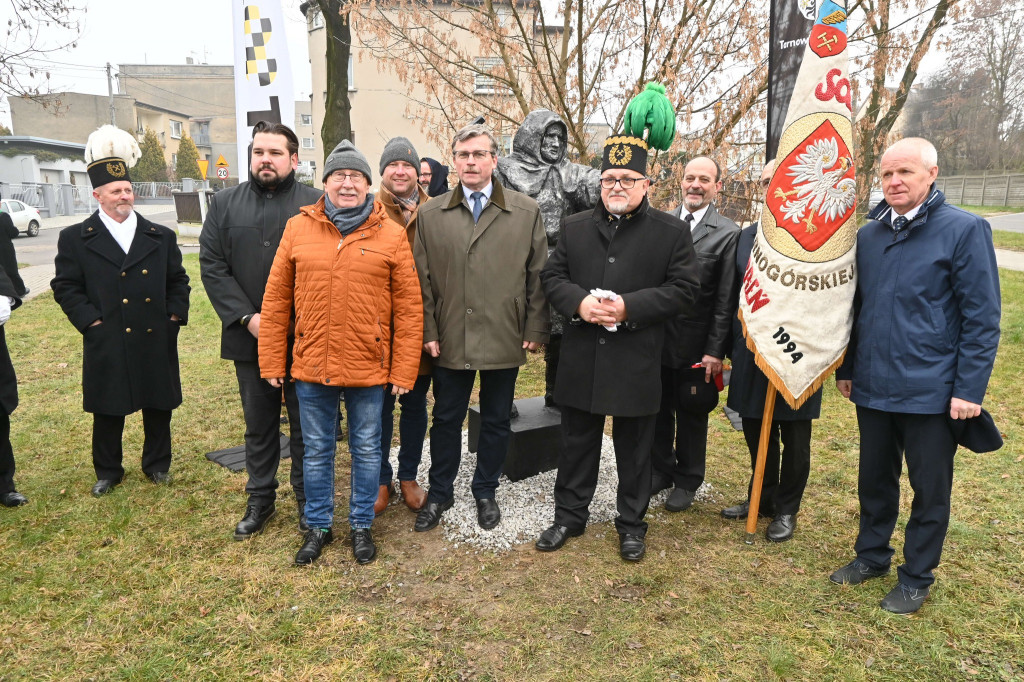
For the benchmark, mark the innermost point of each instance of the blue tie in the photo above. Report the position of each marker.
(899, 223)
(478, 205)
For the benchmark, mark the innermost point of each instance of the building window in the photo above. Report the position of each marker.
(485, 84)
(176, 129)
(318, 20)
(306, 119)
(174, 160)
(351, 74)
(307, 143)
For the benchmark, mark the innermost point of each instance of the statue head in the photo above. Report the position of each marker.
(552, 144)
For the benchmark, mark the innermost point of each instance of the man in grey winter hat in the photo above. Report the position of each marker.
(346, 157)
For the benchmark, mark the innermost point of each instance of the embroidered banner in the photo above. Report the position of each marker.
(796, 297)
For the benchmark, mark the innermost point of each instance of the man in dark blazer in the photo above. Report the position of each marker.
(10, 299)
(788, 462)
(617, 273)
(925, 336)
(120, 281)
(696, 342)
(240, 237)
(8, 257)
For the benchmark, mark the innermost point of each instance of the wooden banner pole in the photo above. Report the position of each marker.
(762, 456)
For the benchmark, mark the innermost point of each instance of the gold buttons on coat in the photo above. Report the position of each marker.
(128, 330)
(124, 300)
(148, 300)
(145, 272)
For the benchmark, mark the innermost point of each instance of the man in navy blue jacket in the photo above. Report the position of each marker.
(925, 333)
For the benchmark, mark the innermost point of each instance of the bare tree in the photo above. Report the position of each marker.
(337, 125)
(502, 59)
(35, 30)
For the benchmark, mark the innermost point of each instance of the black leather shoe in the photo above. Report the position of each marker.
(781, 528)
(314, 542)
(13, 499)
(679, 499)
(303, 526)
(488, 514)
(255, 519)
(159, 477)
(631, 547)
(856, 572)
(104, 486)
(904, 599)
(659, 482)
(555, 536)
(430, 515)
(363, 548)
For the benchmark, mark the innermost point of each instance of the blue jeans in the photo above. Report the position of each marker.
(318, 409)
(412, 427)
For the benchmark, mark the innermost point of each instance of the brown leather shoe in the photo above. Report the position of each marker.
(383, 497)
(413, 495)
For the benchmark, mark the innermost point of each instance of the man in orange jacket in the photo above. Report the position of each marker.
(348, 272)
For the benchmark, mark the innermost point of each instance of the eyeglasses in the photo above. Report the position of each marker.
(354, 178)
(624, 183)
(425, 175)
(478, 155)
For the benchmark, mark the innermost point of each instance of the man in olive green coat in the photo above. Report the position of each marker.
(479, 251)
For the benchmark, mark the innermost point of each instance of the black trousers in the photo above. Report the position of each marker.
(6, 455)
(261, 407)
(785, 471)
(580, 463)
(107, 453)
(680, 420)
(452, 390)
(927, 443)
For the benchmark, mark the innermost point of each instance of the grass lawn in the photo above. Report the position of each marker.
(1004, 239)
(147, 584)
(986, 211)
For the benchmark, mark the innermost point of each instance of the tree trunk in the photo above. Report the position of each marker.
(337, 125)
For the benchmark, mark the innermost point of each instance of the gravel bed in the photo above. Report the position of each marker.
(527, 506)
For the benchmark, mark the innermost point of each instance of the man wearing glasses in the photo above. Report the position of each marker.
(479, 252)
(618, 273)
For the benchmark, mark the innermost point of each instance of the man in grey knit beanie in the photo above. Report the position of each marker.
(346, 157)
(399, 149)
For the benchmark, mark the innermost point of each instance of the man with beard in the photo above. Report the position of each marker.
(696, 341)
(618, 273)
(538, 168)
(119, 280)
(433, 177)
(240, 237)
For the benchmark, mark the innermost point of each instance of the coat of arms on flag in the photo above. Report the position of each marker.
(796, 300)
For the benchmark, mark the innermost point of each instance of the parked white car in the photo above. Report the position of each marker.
(26, 218)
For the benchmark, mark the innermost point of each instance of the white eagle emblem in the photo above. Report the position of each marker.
(817, 185)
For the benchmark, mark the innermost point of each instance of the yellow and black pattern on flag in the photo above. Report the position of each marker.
(257, 36)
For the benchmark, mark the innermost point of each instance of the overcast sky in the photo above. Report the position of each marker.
(158, 32)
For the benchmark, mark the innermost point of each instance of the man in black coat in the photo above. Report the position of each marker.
(8, 257)
(696, 342)
(120, 281)
(618, 273)
(787, 467)
(236, 249)
(9, 300)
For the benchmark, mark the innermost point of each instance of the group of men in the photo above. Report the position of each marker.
(342, 295)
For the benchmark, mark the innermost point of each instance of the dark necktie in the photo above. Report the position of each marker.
(478, 205)
(899, 223)
(689, 220)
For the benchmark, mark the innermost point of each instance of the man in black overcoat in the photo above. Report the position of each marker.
(617, 273)
(8, 257)
(240, 237)
(120, 281)
(9, 300)
(696, 342)
(788, 463)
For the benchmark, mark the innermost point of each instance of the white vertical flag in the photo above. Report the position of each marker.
(796, 298)
(263, 71)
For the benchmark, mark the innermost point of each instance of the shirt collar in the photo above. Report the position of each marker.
(909, 215)
(698, 215)
(129, 224)
(467, 192)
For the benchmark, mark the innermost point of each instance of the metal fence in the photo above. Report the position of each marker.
(30, 193)
(155, 190)
(983, 190)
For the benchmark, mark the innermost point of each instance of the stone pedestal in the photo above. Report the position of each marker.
(535, 442)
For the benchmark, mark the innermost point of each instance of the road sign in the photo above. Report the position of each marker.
(222, 172)
(221, 163)
(203, 165)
